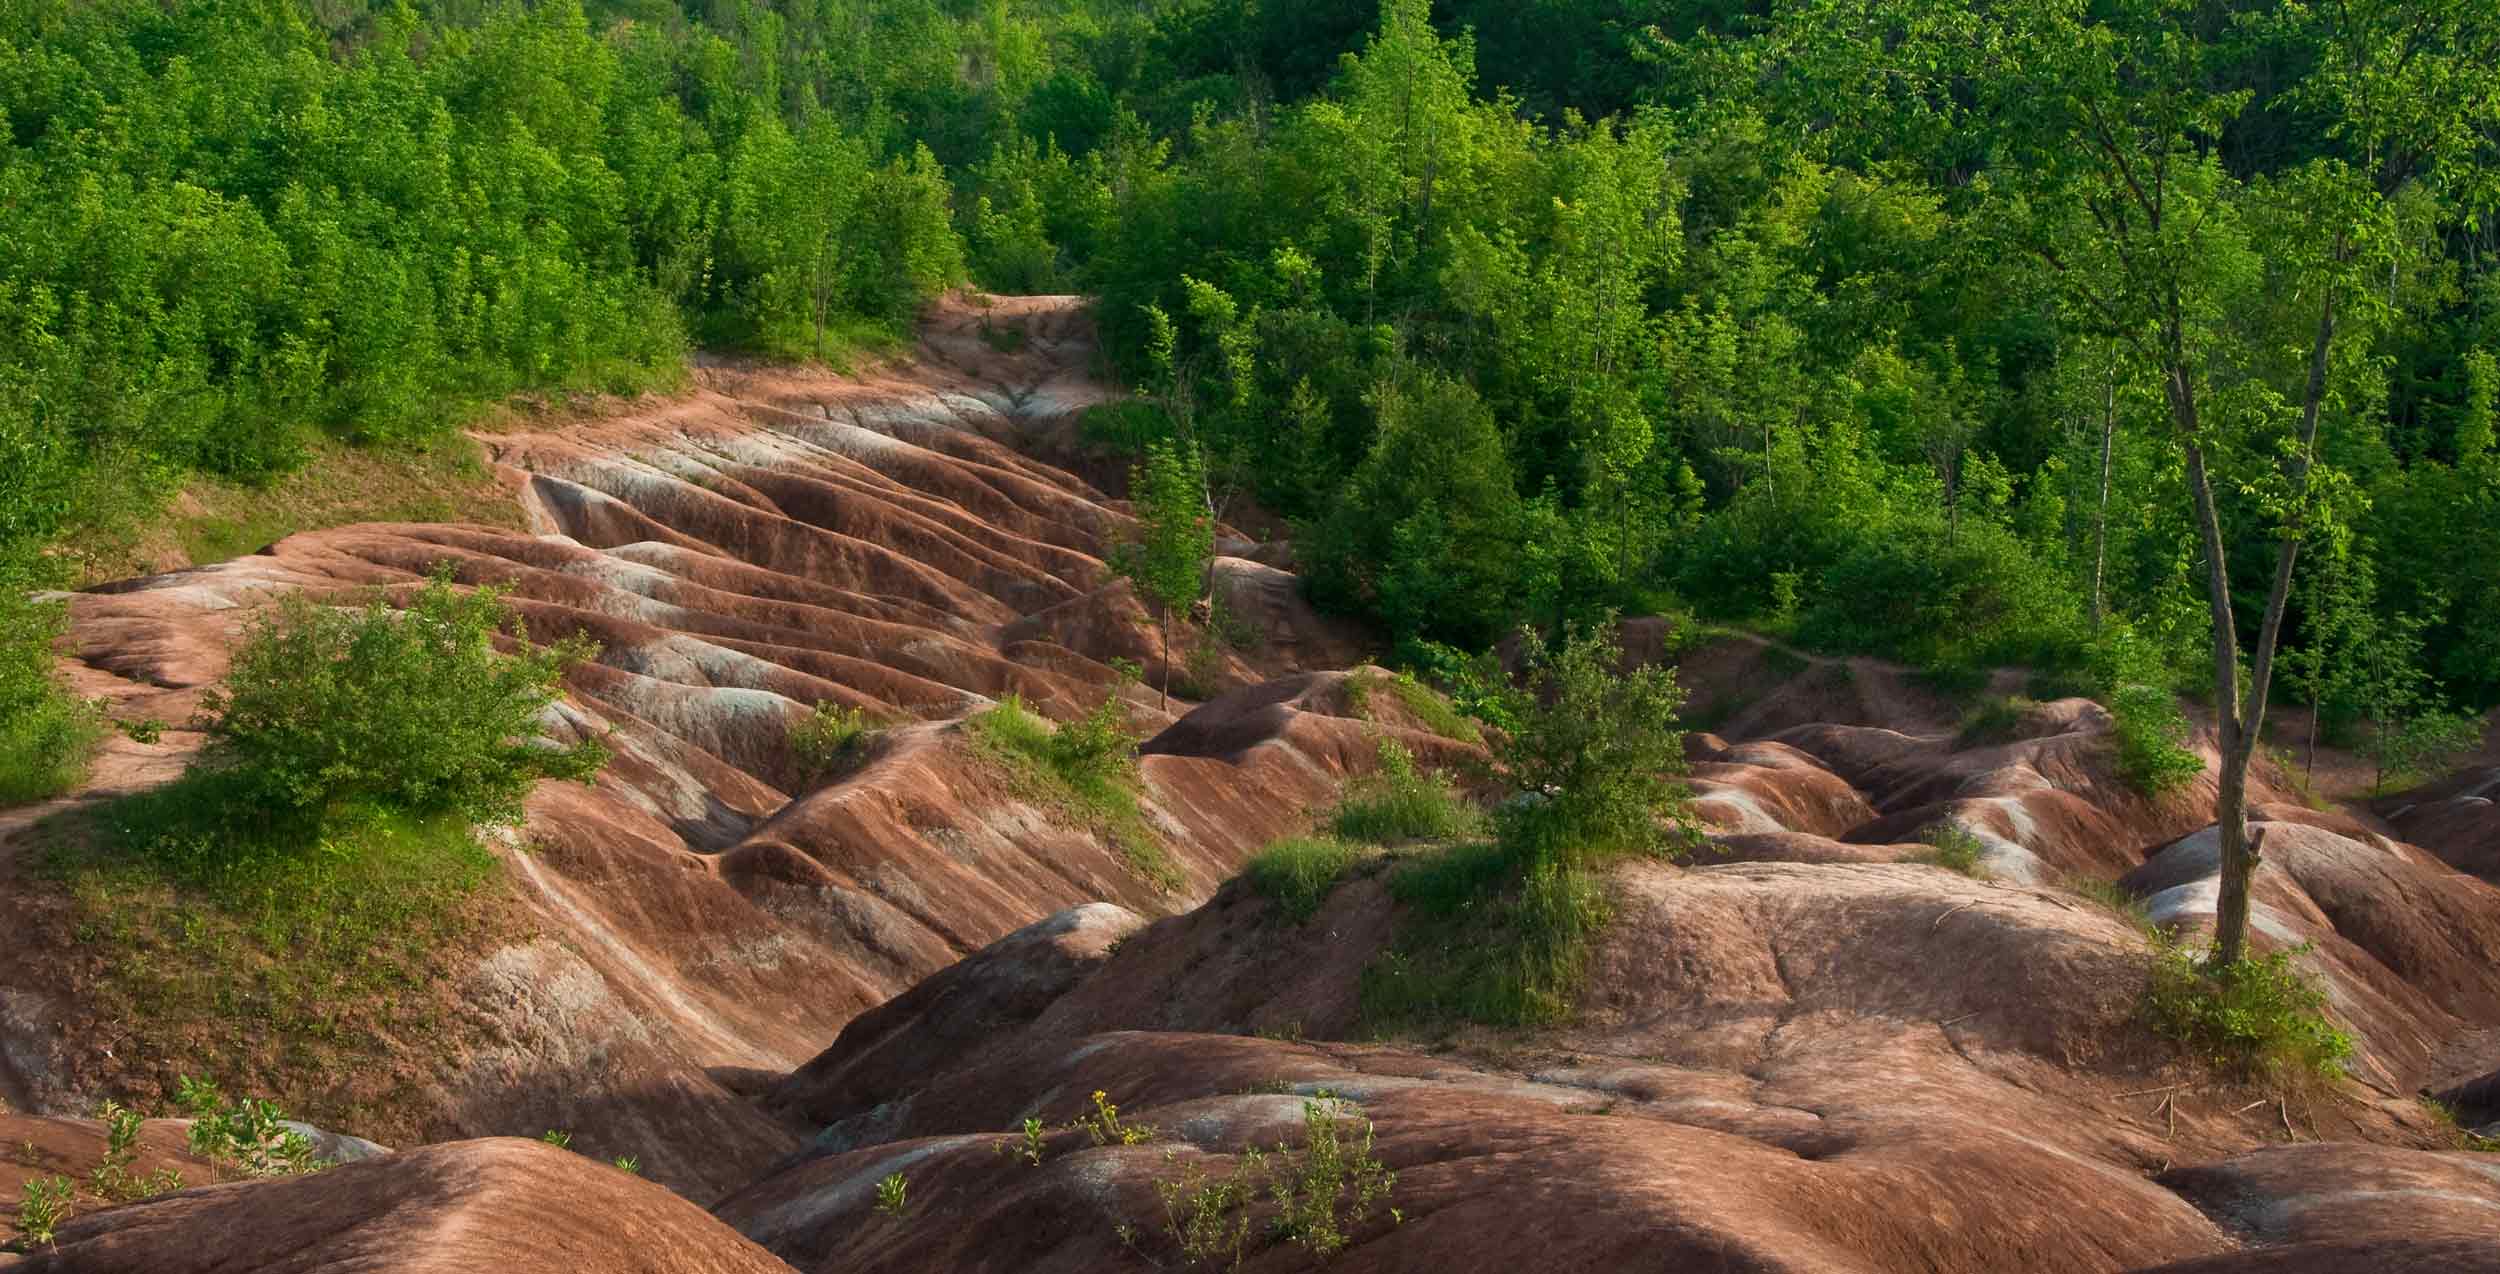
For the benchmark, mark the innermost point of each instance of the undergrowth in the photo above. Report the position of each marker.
(48, 737)
(2258, 1020)
(1500, 932)
(2110, 894)
(1087, 768)
(1312, 1197)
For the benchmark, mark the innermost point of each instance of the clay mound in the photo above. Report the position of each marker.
(1792, 1066)
(2347, 1207)
(773, 540)
(2402, 940)
(2455, 819)
(500, 1204)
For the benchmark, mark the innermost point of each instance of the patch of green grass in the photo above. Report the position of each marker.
(1086, 768)
(1486, 940)
(47, 747)
(1399, 803)
(2108, 893)
(1953, 847)
(292, 967)
(41, 1209)
(1299, 872)
(1433, 710)
(1783, 662)
(1993, 720)
(2260, 1020)
(1321, 1191)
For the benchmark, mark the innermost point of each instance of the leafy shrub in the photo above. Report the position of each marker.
(1298, 872)
(1953, 847)
(248, 1135)
(1590, 754)
(2149, 728)
(831, 737)
(2258, 1019)
(378, 708)
(111, 1178)
(1399, 803)
(1104, 1127)
(48, 736)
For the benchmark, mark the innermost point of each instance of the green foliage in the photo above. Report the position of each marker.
(326, 710)
(1319, 1192)
(830, 738)
(1298, 873)
(2148, 729)
(558, 1138)
(1590, 754)
(630, 1165)
(1398, 803)
(1086, 767)
(1486, 940)
(1167, 561)
(2259, 1019)
(111, 1178)
(1955, 848)
(891, 1192)
(244, 1134)
(42, 1208)
(47, 736)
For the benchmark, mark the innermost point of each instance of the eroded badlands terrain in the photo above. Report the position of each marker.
(1801, 1050)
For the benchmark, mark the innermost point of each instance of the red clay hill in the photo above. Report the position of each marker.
(915, 1021)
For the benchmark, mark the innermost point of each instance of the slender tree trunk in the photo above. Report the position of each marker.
(2238, 863)
(2100, 513)
(1163, 632)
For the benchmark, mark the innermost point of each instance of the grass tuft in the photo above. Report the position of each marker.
(1400, 803)
(1299, 872)
(1994, 720)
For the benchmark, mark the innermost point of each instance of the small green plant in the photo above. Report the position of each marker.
(627, 1164)
(2149, 728)
(144, 730)
(1336, 1167)
(1953, 847)
(247, 1135)
(111, 1178)
(558, 1138)
(1318, 1192)
(832, 737)
(48, 736)
(891, 1193)
(1358, 692)
(1102, 1125)
(2258, 1019)
(1399, 803)
(1030, 1144)
(1298, 873)
(42, 1208)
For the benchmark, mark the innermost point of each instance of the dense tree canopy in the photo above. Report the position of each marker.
(1959, 333)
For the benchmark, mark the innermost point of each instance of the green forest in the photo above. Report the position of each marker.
(2139, 342)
